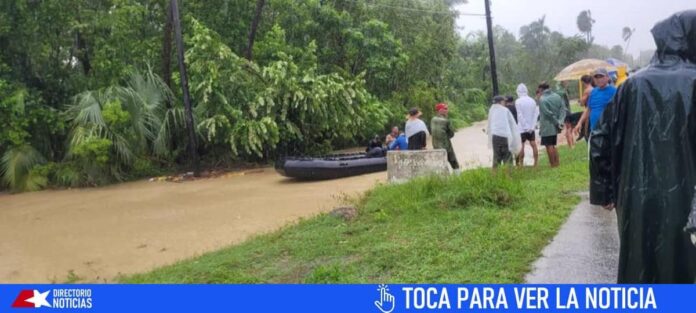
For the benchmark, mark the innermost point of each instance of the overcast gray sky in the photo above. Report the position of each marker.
(611, 17)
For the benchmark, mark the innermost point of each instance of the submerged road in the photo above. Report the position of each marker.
(95, 234)
(99, 233)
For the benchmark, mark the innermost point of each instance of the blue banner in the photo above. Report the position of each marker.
(347, 298)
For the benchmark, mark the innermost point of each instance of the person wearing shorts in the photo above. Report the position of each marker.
(552, 112)
(527, 116)
(549, 140)
(528, 136)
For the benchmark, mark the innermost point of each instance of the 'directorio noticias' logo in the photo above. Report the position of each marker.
(54, 299)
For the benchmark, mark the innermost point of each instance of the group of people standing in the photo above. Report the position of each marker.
(642, 149)
(643, 158)
(512, 123)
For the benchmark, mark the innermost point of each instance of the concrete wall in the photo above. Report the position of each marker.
(405, 165)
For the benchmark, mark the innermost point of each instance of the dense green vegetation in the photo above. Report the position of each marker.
(90, 91)
(470, 228)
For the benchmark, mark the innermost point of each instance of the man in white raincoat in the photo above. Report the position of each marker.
(527, 116)
(503, 135)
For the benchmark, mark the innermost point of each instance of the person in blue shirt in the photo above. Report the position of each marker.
(400, 143)
(599, 98)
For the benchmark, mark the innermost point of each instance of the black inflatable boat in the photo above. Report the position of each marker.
(330, 167)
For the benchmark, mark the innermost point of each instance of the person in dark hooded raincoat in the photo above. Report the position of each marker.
(643, 159)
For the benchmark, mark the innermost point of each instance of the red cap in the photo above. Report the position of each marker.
(440, 106)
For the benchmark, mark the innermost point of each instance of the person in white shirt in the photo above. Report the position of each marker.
(416, 131)
(503, 136)
(527, 116)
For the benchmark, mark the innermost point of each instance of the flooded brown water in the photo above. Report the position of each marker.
(98, 233)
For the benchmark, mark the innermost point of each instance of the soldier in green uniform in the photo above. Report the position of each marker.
(442, 131)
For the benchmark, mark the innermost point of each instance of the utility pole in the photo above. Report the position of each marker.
(491, 49)
(188, 114)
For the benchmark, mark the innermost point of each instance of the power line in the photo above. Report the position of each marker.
(416, 10)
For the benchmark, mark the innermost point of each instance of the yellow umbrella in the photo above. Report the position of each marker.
(582, 67)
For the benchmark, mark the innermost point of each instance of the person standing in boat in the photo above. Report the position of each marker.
(442, 132)
(416, 131)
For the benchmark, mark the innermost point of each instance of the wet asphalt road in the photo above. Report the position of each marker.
(585, 250)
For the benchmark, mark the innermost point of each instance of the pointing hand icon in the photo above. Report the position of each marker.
(386, 300)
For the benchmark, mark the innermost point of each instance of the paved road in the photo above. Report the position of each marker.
(585, 250)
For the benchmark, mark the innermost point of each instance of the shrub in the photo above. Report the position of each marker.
(19, 169)
(113, 128)
(91, 158)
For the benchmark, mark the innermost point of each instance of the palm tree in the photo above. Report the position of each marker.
(585, 22)
(627, 33)
(19, 160)
(133, 119)
(16, 168)
(535, 35)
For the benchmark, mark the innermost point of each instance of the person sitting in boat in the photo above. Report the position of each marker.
(400, 143)
(375, 148)
(416, 131)
(391, 136)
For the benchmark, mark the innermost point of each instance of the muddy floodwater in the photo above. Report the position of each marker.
(99, 233)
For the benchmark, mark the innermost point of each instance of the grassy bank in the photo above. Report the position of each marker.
(472, 228)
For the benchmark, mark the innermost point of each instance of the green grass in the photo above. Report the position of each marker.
(472, 228)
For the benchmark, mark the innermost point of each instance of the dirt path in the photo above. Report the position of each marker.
(97, 233)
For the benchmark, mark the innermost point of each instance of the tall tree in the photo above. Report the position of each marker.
(617, 52)
(81, 50)
(535, 36)
(167, 49)
(192, 146)
(254, 27)
(626, 34)
(585, 23)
